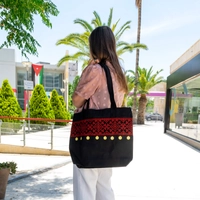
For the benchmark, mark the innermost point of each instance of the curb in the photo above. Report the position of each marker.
(17, 177)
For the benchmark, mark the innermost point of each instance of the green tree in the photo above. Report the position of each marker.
(80, 40)
(70, 104)
(75, 83)
(146, 80)
(130, 100)
(57, 106)
(149, 105)
(17, 19)
(68, 115)
(138, 4)
(130, 82)
(72, 88)
(40, 106)
(9, 106)
(130, 77)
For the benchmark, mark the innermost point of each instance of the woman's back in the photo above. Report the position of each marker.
(93, 85)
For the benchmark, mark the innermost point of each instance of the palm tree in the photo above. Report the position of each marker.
(138, 4)
(80, 40)
(130, 76)
(146, 80)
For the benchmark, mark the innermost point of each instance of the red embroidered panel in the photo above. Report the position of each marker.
(102, 127)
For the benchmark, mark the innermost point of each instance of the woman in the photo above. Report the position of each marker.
(95, 184)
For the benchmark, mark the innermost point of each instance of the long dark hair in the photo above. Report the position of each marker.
(103, 47)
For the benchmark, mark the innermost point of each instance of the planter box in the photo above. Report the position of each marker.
(4, 174)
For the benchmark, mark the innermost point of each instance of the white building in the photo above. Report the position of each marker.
(54, 77)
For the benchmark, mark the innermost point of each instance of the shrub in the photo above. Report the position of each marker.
(11, 165)
(9, 106)
(40, 106)
(68, 114)
(57, 106)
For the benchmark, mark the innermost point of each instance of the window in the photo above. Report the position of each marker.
(20, 92)
(185, 108)
(53, 81)
(21, 76)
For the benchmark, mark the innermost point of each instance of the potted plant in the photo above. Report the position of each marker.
(6, 168)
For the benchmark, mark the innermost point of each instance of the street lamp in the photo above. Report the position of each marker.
(62, 90)
(66, 91)
(26, 64)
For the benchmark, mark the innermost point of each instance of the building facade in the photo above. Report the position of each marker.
(157, 93)
(54, 77)
(182, 110)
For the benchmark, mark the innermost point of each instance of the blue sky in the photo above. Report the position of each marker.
(169, 28)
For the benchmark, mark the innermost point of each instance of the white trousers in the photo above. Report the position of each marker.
(92, 184)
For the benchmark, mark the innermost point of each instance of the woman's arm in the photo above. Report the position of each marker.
(77, 100)
(87, 85)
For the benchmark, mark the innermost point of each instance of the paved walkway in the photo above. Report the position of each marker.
(163, 168)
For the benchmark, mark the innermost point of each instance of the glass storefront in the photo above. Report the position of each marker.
(185, 108)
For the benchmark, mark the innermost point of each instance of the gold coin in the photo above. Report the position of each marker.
(97, 137)
(88, 137)
(112, 138)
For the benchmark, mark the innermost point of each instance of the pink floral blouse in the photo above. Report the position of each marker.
(93, 85)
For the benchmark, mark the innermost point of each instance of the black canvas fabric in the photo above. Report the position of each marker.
(102, 138)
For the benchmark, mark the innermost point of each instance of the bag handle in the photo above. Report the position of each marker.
(109, 84)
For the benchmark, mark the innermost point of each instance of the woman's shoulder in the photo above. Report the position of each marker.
(93, 68)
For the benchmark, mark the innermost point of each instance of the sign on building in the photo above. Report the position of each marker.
(28, 85)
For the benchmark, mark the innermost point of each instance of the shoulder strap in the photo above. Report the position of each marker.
(109, 84)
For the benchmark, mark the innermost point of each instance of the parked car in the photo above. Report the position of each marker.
(153, 116)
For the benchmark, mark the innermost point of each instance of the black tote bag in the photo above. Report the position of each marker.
(102, 138)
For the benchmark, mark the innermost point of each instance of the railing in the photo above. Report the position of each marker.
(47, 136)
